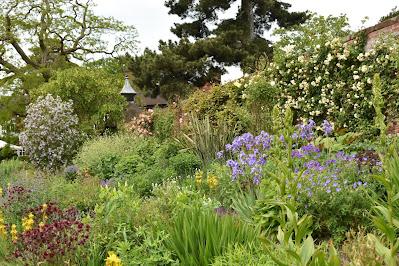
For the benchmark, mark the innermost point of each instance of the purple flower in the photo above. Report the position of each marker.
(105, 182)
(306, 130)
(296, 154)
(251, 159)
(327, 128)
(220, 154)
(310, 148)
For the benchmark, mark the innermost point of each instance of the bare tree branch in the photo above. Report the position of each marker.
(13, 41)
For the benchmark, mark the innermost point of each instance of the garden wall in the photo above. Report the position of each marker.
(389, 26)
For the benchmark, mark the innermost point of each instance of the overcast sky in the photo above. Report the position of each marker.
(152, 21)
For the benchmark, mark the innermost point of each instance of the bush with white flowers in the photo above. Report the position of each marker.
(51, 136)
(332, 79)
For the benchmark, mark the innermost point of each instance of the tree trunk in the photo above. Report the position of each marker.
(247, 13)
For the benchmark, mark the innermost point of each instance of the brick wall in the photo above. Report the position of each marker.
(390, 26)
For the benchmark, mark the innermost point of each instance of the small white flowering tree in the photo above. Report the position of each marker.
(51, 135)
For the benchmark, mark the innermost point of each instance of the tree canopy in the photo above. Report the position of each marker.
(39, 36)
(94, 93)
(208, 43)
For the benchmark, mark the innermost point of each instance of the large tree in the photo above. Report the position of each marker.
(237, 40)
(209, 43)
(39, 36)
(175, 70)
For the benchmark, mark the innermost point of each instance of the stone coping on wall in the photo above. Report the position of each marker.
(390, 25)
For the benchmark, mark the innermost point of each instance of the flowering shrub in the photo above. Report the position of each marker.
(142, 124)
(251, 153)
(332, 187)
(330, 78)
(51, 135)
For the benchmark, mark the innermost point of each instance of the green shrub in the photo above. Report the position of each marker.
(238, 255)
(185, 163)
(163, 123)
(95, 95)
(128, 166)
(139, 161)
(97, 150)
(199, 235)
(83, 193)
(334, 215)
(7, 153)
(221, 103)
(9, 169)
(106, 167)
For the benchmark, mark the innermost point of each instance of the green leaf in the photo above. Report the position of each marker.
(307, 250)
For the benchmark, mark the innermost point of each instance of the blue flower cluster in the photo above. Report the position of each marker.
(251, 153)
(326, 177)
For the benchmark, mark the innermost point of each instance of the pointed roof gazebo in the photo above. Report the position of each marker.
(127, 91)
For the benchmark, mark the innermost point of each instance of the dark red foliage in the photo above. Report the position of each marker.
(59, 237)
(52, 241)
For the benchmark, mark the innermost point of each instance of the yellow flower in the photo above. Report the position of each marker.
(14, 233)
(112, 260)
(28, 222)
(3, 231)
(212, 181)
(1, 192)
(198, 177)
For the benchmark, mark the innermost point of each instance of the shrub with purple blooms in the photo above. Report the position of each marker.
(332, 187)
(251, 155)
(51, 136)
(250, 152)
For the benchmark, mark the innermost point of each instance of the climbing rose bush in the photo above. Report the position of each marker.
(51, 135)
(320, 75)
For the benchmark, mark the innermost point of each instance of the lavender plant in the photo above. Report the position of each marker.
(51, 135)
